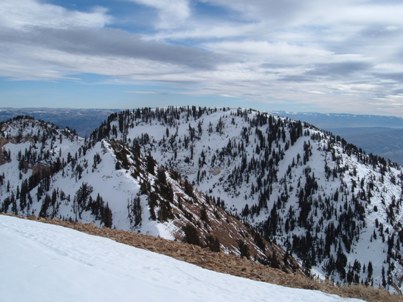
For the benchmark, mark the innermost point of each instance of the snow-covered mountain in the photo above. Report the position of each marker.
(336, 209)
(326, 202)
(341, 120)
(48, 172)
(82, 120)
(42, 262)
(381, 135)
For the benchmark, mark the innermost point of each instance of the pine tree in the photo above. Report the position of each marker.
(191, 234)
(107, 216)
(243, 249)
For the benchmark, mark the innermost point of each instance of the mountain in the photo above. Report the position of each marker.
(83, 121)
(344, 120)
(386, 142)
(381, 135)
(42, 262)
(48, 172)
(324, 201)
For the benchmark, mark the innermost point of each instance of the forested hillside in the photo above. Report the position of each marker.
(324, 201)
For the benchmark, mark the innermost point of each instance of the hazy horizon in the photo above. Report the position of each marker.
(39, 108)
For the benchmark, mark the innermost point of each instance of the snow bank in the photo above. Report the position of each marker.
(42, 262)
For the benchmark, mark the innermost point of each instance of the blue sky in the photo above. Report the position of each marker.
(313, 55)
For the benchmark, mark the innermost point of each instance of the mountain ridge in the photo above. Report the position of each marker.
(320, 198)
(375, 134)
(111, 185)
(340, 166)
(84, 121)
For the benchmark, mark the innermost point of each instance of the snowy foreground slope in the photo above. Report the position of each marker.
(42, 262)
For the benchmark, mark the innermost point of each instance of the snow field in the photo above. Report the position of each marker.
(42, 262)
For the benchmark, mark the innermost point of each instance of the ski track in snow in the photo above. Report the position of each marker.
(42, 262)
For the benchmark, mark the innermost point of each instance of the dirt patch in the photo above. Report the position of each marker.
(3, 141)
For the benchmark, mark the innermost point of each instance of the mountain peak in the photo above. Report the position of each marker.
(25, 127)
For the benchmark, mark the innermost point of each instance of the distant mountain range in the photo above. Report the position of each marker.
(344, 120)
(380, 135)
(194, 174)
(83, 121)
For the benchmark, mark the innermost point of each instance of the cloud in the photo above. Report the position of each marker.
(296, 78)
(171, 13)
(319, 53)
(204, 30)
(394, 76)
(110, 42)
(23, 14)
(270, 10)
(317, 12)
(339, 69)
(46, 41)
(271, 52)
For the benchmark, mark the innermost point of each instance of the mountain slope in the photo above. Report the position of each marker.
(109, 184)
(50, 263)
(381, 135)
(82, 120)
(322, 199)
(387, 142)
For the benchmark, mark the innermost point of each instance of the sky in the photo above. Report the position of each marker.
(292, 55)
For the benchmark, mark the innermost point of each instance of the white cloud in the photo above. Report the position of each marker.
(280, 52)
(295, 12)
(271, 11)
(27, 13)
(363, 14)
(389, 67)
(204, 30)
(320, 53)
(172, 13)
(40, 62)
